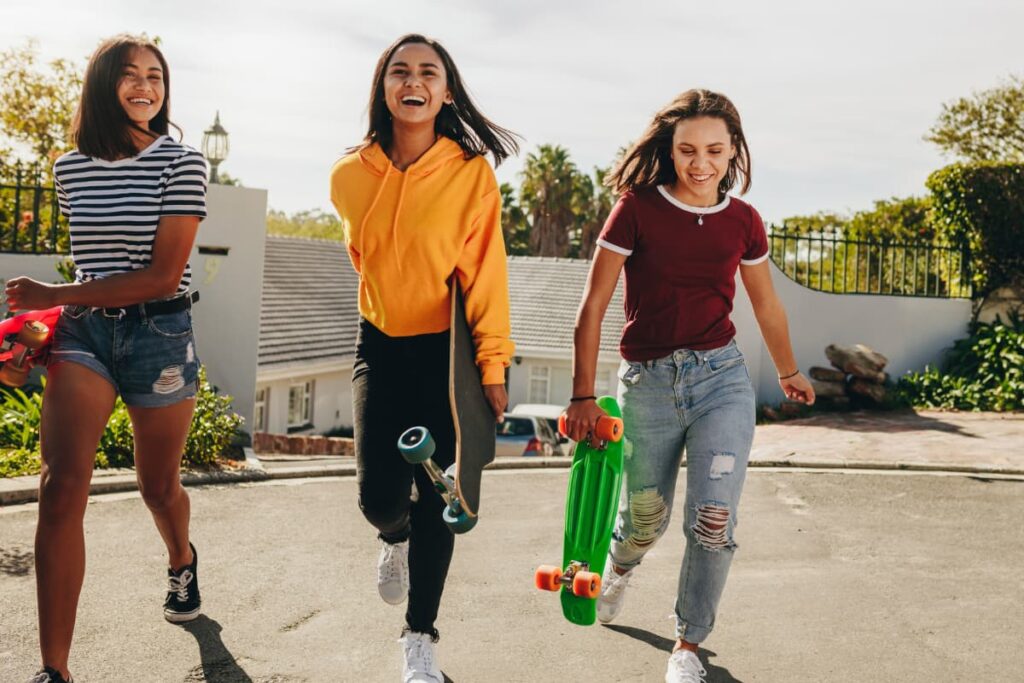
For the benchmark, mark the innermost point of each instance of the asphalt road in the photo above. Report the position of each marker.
(839, 577)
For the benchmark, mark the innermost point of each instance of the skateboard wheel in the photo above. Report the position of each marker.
(548, 577)
(609, 429)
(416, 445)
(12, 375)
(457, 520)
(586, 585)
(33, 334)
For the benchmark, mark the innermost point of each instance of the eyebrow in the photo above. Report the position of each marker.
(136, 66)
(422, 64)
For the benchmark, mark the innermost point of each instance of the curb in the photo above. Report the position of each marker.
(26, 489)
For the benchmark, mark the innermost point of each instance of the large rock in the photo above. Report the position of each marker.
(858, 360)
(876, 392)
(827, 374)
(823, 389)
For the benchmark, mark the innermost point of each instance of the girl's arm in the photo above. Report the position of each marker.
(582, 416)
(171, 249)
(771, 318)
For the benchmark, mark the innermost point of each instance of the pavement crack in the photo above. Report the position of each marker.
(298, 622)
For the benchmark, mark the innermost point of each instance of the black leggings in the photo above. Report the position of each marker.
(397, 383)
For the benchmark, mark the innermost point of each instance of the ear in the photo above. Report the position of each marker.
(448, 99)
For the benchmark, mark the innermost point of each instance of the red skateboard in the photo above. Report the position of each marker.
(25, 343)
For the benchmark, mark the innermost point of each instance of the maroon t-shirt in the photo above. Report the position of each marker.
(681, 269)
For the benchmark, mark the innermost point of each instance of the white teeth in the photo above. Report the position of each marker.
(140, 100)
(413, 99)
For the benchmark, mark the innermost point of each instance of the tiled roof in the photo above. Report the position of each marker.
(310, 310)
(546, 294)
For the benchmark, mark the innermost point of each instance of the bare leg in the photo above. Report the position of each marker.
(77, 403)
(160, 435)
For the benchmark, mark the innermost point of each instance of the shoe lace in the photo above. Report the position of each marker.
(616, 584)
(390, 567)
(179, 584)
(41, 677)
(688, 669)
(419, 653)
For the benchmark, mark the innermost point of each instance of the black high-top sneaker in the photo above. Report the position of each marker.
(182, 603)
(49, 675)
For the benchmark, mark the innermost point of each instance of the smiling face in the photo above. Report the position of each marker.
(702, 149)
(415, 84)
(140, 90)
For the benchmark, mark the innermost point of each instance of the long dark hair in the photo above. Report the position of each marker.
(649, 161)
(101, 127)
(461, 120)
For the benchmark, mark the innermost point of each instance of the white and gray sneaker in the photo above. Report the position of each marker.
(684, 667)
(613, 592)
(419, 662)
(393, 572)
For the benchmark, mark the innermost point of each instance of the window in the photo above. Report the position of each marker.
(300, 404)
(540, 384)
(261, 409)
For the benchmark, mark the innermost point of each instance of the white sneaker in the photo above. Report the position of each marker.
(420, 665)
(393, 572)
(684, 667)
(613, 592)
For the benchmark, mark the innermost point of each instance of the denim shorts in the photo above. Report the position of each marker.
(150, 360)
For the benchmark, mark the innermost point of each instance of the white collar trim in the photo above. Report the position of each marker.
(699, 210)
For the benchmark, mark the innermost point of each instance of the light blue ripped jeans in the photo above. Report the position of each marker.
(703, 402)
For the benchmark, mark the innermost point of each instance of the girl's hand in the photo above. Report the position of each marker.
(797, 388)
(581, 419)
(498, 398)
(26, 294)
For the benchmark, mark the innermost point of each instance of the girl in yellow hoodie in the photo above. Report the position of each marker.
(419, 203)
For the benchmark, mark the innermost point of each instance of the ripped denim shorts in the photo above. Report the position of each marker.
(149, 359)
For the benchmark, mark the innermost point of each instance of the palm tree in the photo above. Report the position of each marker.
(549, 194)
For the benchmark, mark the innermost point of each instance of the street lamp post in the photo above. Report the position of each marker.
(215, 146)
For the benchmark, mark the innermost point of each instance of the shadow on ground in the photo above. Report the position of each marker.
(16, 562)
(716, 674)
(884, 422)
(218, 664)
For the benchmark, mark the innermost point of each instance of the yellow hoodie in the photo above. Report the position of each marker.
(408, 232)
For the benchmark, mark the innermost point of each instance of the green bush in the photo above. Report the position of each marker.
(981, 207)
(213, 427)
(982, 372)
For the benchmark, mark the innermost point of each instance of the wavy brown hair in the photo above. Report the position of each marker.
(461, 120)
(649, 160)
(101, 127)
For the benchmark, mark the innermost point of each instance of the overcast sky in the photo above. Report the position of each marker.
(835, 96)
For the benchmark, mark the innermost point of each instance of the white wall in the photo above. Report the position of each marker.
(910, 331)
(332, 396)
(560, 376)
(227, 317)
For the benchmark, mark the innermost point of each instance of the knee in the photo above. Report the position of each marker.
(711, 527)
(648, 514)
(160, 496)
(386, 514)
(62, 494)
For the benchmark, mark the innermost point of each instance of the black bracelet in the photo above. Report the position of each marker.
(574, 399)
(789, 376)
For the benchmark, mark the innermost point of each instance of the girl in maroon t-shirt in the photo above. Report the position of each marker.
(683, 383)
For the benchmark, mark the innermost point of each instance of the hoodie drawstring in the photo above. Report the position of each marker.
(394, 223)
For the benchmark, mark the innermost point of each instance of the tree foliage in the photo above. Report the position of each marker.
(987, 126)
(314, 224)
(37, 102)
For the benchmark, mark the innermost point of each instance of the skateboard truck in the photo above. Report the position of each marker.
(417, 447)
(577, 578)
(29, 339)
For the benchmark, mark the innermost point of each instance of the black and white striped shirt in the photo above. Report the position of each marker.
(115, 206)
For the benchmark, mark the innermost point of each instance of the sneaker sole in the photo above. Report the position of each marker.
(181, 617)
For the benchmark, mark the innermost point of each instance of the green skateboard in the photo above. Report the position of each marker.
(592, 501)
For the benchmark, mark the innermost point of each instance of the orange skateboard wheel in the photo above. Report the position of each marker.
(12, 375)
(548, 577)
(609, 429)
(33, 334)
(561, 425)
(586, 585)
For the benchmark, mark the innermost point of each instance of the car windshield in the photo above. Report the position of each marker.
(515, 426)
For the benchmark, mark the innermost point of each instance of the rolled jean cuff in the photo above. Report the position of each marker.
(690, 633)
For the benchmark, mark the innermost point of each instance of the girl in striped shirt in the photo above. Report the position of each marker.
(134, 198)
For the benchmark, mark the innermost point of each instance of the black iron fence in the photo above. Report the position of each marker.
(30, 219)
(829, 262)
